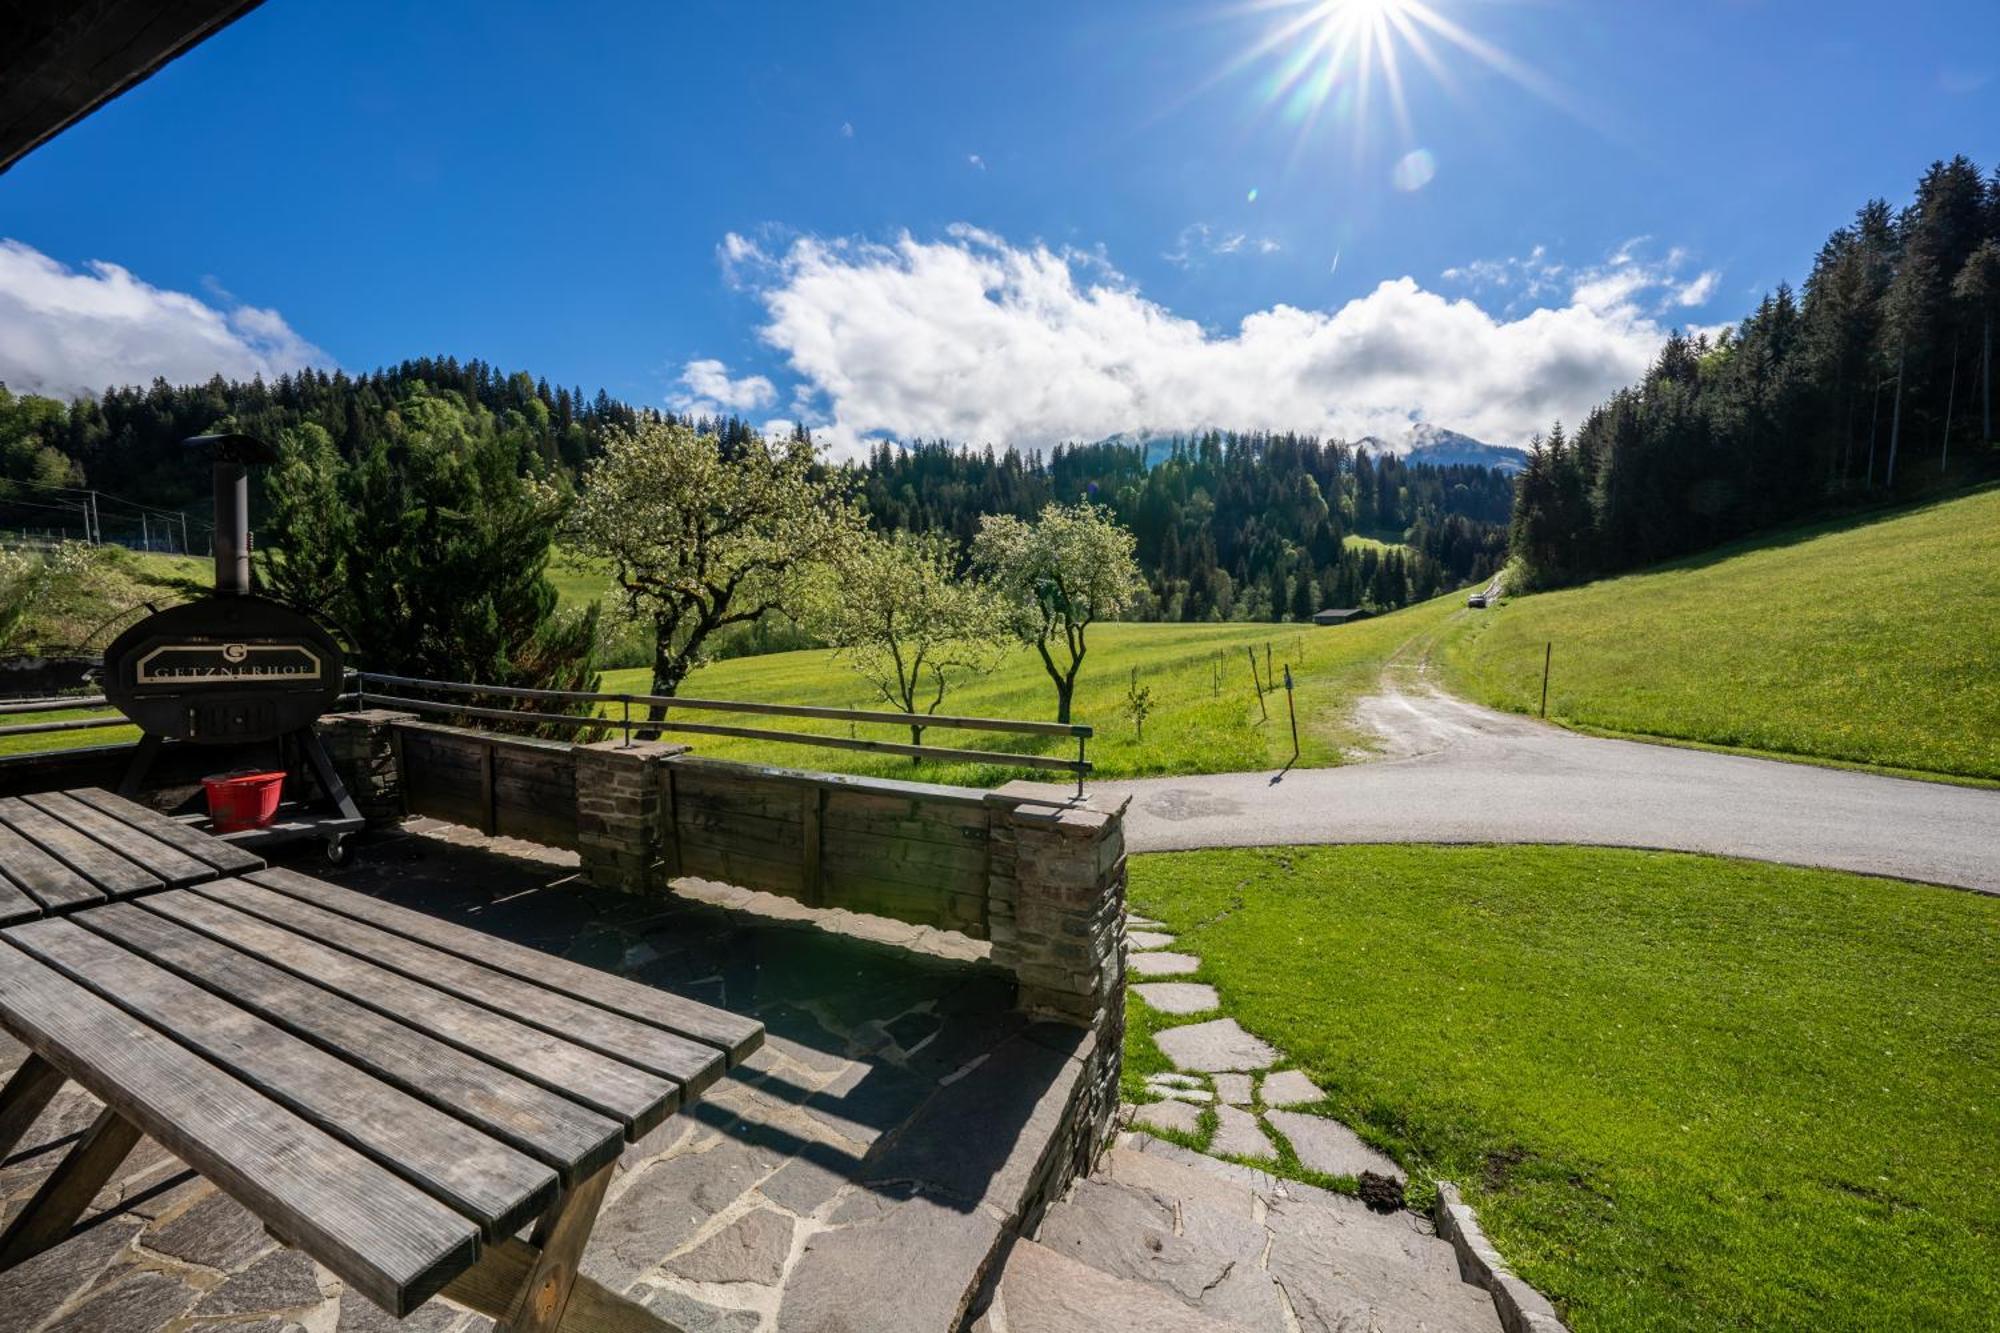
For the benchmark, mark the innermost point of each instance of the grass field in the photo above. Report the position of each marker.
(1870, 642)
(1196, 725)
(1684, 1093)
(114, 595)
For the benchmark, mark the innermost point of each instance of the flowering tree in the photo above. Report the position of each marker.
(1070, 568)
(698, 538)
(907, 623)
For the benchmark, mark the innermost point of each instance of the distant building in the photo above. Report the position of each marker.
(1340, 615)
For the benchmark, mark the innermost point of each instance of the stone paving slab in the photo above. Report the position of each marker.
(1181, 1117)
(1163, 964)
(1043, 1292)
(1288, 1087)
(1147, 939)
(1179, 997)
(1147, 1238)
(1329, 1146)
(1143, 923)
(1220, 1045)
(1233, 1088)
(1238, 1135)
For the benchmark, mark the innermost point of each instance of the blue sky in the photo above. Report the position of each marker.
(1015, 221)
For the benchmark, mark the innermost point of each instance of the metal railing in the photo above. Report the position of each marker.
(73, 703)
(625, 723)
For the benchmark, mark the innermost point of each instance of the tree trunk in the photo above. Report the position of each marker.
(669, 670)
(1874, 427)
(1895, 425)
(1950, 401)
(1986, 381)
(916, 738)
(1065, 689)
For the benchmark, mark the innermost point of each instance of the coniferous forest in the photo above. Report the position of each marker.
(1873, 383)
(1229, 526)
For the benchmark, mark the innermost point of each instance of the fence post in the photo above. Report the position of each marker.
(1548, 651)
(1257, 683)
(1292, 708)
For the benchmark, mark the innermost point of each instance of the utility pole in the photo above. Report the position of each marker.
(145, 533)
(184, 532)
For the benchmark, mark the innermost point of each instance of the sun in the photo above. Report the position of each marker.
(1340, 59)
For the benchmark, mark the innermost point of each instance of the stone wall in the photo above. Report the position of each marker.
(1058, 911)
(619, 787)
(362, 746)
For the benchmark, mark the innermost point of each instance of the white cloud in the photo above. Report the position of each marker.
(707, 390)
(68, 332)
(1626, 278)
(973, 339)
(1198, 240)
(1697, 292)
(847, 129)
(976, 161)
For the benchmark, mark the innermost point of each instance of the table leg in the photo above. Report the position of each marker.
(33, 1086)
(559, 1237)
(69, 1189)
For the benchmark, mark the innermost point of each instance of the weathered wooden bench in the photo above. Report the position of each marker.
(393, 1094)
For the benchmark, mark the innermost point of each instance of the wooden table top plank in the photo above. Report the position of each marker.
(105, 869)
(377, 1232)
(638, 1100)
(16, 904)
(469, 1171)
(736, 1035)
(226, 857)
(569, 1137)
(141, 849)
(690, 1064)
(48, 881)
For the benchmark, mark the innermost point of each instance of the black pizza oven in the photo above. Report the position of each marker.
(232, 667)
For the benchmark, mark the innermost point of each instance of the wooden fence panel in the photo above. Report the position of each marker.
(513, 786)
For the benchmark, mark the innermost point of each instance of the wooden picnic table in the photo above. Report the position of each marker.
(394, 1094)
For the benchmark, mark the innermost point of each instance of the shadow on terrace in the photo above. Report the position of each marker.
(863, 1169)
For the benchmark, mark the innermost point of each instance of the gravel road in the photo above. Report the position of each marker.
(1454, 772)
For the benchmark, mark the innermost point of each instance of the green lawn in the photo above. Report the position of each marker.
(63, 740)
(1871, 642)
(1683, 1093)
(1196, 725)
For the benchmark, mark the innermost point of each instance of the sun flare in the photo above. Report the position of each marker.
(1337, 60)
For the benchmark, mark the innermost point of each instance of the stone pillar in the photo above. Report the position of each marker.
(363, 747)
(1056, 914)
(620, 792)
(1057, 905)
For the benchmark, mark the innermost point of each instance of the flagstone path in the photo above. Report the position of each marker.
(1162, 1237)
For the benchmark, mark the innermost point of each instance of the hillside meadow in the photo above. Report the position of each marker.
(1872, 642)
(1205, 715)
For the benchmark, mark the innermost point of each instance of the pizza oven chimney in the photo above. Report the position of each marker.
(234, 455)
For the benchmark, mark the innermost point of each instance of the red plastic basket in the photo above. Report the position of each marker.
(243, 800)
